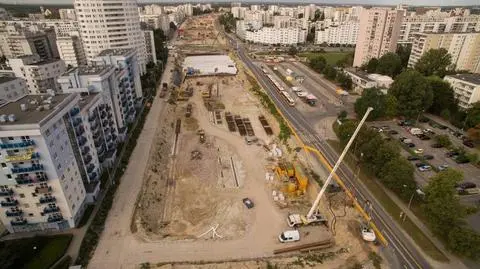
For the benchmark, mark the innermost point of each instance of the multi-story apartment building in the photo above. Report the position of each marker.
(239, 12)
(158, 21)
(128, 77)
(40, 75)
(113, 24)
(70, 49)
(378, 33)
(62, 27)
(150, 46)
(12, 88)
(463, 47)
(40, 179)
(17, 41)
(466, 88)
(67, 14)
(271, 35)
(438, 23)
(344, 33)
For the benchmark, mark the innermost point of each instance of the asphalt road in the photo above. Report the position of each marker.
(407, 254)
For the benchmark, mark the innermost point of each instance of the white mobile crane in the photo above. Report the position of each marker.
(313, 216)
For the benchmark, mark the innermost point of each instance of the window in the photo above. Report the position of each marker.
(9, 176)
(10, 138)
(30, 214)
(21, 195)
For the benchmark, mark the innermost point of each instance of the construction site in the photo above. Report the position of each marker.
(217, 171)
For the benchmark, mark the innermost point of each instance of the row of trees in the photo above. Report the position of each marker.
(228, 22)
(319, 64)
(152, 77)
(440, 205)
(390, 64)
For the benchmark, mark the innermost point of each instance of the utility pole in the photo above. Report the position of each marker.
(339, 161)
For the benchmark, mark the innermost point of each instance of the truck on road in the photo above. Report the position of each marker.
(289, 71)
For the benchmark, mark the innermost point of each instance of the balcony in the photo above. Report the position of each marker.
(93, 176)
(92, 118)
(103, 115)
(94, 126)
(55, 218)
(87, 159)
(81, 141)
(110, 115)
(6, 192)
(46, 189)
(30, 155)
(90, 168)
(105, 122)
(102, 106)
(50, 209)
(98, 143)
(33, 168)
(18, 222)
(111, 123)
(108, 108)
(47, 199)
(11, 202)
(80, 131)
(23, 144)
(74, 111)
(108, 138)
(85, 150)
(16, 213)
(101, 151)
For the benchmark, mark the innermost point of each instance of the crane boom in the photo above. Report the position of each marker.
(339, 161)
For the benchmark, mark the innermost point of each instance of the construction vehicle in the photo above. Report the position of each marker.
(206, 93)
(367, 232)
(296, 220)
(201, 134)
(293, 174)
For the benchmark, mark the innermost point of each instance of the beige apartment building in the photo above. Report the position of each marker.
(463, 47)
(379, 32)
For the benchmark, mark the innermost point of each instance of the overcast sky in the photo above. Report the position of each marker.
(382, 2)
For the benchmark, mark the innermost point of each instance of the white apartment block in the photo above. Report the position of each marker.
(62, 27)
(12, 88)
(67, 14)
(40, 75)
(378, 33)
(239, 12)
(463, 47)
(346, 33)
(113, 24)
(128, 77)
(154, 9)
(150, 46)
(270, 35)
(466, 88)
(70, 49)
(40, 178)
(440, 23)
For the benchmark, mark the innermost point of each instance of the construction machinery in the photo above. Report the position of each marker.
(296, 220)
(293, 174)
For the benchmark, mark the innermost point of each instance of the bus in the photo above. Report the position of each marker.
(289, 99)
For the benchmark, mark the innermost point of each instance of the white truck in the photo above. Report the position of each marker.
(289, 236)
(296, 220)
(415, 131)
(289, 71)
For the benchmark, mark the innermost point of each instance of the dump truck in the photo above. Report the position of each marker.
(296, 220)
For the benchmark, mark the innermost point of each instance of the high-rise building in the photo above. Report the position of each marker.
(463, 47)
(271, 35)
(150, 46)
(378, 34)
(40, 75)
(128, 77)
(40, 182)
(67, 14)
(466, 88)
(345, 33)
(12, 88)
(110, 24)
(17, 41)
(71, 51)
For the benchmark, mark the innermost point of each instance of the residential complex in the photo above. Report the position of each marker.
(378, 34)
(270, 35)
(463, 47)
(40, 184)
(346, 33)
(150, 46)
(12, 88)
(466, 88)
(70, 49)
(40, 75)
(111, 24)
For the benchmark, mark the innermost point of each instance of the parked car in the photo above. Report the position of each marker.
(248, 203)
(428, 157)
(420, 164)
(385, 127)
(437, 146)
(451, 154)
(442, 127)
(402, 138)
(392, 132)
(424, 168)
(469, 143)
(466, 185)
(424, 137)
(411, 145)
(413, 158)
(418, 151)
(443, 167)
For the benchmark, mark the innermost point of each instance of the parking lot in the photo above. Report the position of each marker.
(471, 173)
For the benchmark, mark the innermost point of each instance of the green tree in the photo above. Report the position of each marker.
(371, 97)
(390, 106)
(442, 207)
(311, 35)
(293, 50)
(228, 22)
(464, 241)
(330, 72)
(398, 175)
(342, 115)
(389, 64)
(473, 116)
(403, 50)
(443, 140)
(434, 62)
(318, 63)
(371, 66)
(346, 61)
(345, 131)
(345, 81)
(443, 97)
(474, 134)
(318, 15)
(386, 152)
(413, 93)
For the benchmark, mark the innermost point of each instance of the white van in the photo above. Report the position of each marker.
(289, 236)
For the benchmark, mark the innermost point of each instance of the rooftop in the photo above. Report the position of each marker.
(6, 79)
(359, 73)
(33, 114)
(85, 99)
(472, 78)
(114, 52)
(89, 70)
